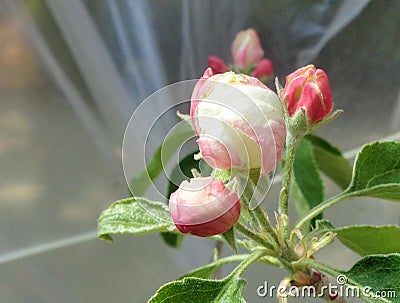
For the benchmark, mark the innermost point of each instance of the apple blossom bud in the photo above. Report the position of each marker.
(308, 88)
(264, 70)
(217, 65)
(238, 122)
(204, 207)
(246, 49)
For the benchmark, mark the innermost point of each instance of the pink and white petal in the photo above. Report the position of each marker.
(196, 97)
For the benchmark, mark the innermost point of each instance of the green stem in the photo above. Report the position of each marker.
(230, 259)
(292, 141)
(218, 245)
(257, 216)
(219, 263)
(251, 235)
(239, 242)
(320, 266)
(272, 261)
(287, 265)
(288, 170)
(266, 225)
(256, 255)
(320, 208)
(327, 269)
(254, 220)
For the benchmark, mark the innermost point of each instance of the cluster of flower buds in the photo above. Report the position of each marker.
(247, 56)
(240, 125)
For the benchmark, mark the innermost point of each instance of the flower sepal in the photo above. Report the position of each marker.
(298, 126)
(326, 120)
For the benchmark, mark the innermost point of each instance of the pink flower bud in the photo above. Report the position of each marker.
(204, 207)
(246, 49)
(238, 122)
(264, 70)
(308, 88)
(217, 65)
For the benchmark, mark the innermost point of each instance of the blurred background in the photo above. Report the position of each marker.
(72, 73)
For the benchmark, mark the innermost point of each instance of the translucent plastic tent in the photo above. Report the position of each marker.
(71, 74)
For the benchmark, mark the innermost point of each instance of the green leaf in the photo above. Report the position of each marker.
(322, 226)
(136, 216)
(369, 240)
(230, 239)
(196, 290)
(302, 206)
(244, 218)
(363, 239)
(380, 272)
(331, 162)
(308, 189)
(141, 182)
(172, 239)
(376, 174)
(208, 270)
(377, 171)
